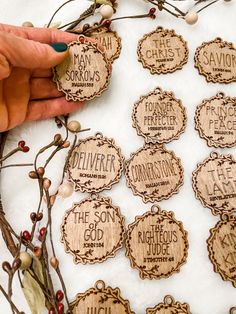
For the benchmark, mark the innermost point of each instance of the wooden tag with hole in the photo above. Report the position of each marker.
(100, 300)
(154, 173)
(215, 120)
(156, 244)
(109, 40)
(169, 306)
(162, 51)
(222, 248)
(216, 60)
(214, 183)
(95, 164)
(85, 73)
(159, 117)
(232, 310)
(93, 230)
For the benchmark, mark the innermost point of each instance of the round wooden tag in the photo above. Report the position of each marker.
(109, 40)
(214, 183)
(85, 73)
(232, 310)
(156, 244)
(222, 248)
(216, 60)
(154, 173)
(162, 51)
(169, 306)
(215, 120)
(95, 164)
(159, 117)
(93, 230)
(100, 300)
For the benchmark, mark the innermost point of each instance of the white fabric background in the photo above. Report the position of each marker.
(196, 283)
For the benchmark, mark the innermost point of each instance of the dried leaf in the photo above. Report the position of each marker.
(32, 291)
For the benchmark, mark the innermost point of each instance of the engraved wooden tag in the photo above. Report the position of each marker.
(154, 173)
(93, 230)
(159, 117)
(214, 183)
(100, 300)
(85, 73)
(216, 60)
(162, 51)
(169, 306)
(222, 248)
(156, 244)
(95, 164)
(110, 41)
(215, 121)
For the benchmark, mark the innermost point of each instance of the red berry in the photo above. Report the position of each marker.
(25, 149)
(42, 231)
(107, 23)
(21, 144)
(60, 308)
(40, 238)
(152, 11)
(59, 296)
(51, 311)
(153, 16)
(26, 235)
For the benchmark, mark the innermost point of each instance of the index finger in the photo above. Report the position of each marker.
(43, 35)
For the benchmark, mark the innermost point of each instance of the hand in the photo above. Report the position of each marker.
(27, 91)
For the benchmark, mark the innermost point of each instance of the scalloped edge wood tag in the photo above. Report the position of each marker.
(154, 173)
(93, 230)
(162, 51)
(215, 120)
(222, 248)
(169, 306)
(100, 299)
(156, 244)
(95, 164)
(159, 117)
(110, 40)
(85, 73)
(216, 60)
(214, 183)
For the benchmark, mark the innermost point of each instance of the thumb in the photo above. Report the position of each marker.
(29, 54)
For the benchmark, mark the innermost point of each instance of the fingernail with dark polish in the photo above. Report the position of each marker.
(59, 47)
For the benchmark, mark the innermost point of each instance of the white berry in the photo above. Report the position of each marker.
(191, 18)
(27, 24)
(106, 11)
(65, 190)
(74, 126)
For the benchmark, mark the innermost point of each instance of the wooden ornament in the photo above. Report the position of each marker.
(232, 310)
(169, 306)
(215, 120)
(100, 300)
(216, 60)
(93, 230)
(159, 117)
(154, 173)
(222, 248)
(156, 244)
(85, 73)
(95, 164)
(214, 183)
(109, 40)
(162, 51)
